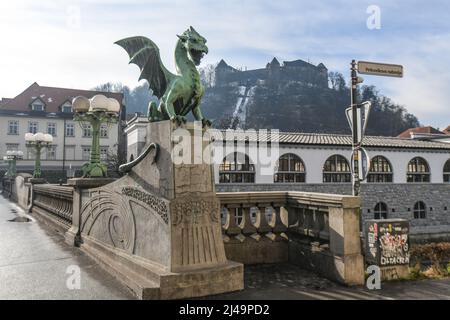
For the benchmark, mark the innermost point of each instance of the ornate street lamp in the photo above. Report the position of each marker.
(11, 158)
(38, 141)
(99, 109)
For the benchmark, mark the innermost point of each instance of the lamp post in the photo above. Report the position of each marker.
(38, 141)
(11, 158)
(95, 111)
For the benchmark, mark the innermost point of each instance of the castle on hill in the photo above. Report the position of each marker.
(274, 73)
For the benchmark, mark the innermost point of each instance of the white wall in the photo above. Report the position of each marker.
(314, 158)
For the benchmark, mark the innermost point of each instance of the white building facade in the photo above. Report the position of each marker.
(408, 178)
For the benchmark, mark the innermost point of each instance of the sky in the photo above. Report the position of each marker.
(71, 43)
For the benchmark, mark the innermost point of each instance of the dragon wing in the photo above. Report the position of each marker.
(145, 54)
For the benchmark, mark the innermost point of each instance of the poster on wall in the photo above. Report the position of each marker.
(387, 242)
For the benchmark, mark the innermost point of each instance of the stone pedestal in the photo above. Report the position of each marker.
(32, 182)
(158, 228)
(72, 236)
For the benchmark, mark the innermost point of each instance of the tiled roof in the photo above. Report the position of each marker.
(53, 98)
(338, 140)
(427, 129)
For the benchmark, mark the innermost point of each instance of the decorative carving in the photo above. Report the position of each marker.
(156, 204)
(113, 219)
(192, 211)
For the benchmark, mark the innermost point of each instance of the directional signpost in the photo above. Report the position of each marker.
(358, 115)
(380, 69)
(362, 117)
(363, 163)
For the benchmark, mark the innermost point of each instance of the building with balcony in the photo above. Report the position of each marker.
(49, 110)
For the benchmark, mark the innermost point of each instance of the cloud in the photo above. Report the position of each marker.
(41, 43)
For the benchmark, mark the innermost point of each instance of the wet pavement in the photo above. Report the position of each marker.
(36, 263)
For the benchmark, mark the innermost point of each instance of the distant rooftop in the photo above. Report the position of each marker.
(52, 97)
(420, 130)
(345, 140)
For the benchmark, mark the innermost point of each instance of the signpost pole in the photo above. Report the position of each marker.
(355, 129)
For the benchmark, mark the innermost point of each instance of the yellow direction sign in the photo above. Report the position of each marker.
(380, 69)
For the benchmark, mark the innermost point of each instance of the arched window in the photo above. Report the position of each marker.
(380, 170)
(236, 168)
(290, 169)
(447, 171)
(418, 170)
(420, 210)
(336, 169)
(380, 211)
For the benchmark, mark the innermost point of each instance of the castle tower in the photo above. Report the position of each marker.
(323, 75)
(222, 72)
(273, 70)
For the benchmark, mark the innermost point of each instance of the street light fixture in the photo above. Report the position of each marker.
(95, 111)
(38, 141)
(11, 157)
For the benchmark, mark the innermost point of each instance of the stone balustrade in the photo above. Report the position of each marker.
(7, 187)
(55, 201)
(316, 231)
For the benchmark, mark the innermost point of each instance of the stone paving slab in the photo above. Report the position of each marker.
(289, 282)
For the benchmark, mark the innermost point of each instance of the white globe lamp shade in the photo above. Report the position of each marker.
(48, 138)
(9, 153)
(81, 104)
(20, 153)
(5, 158)
(99, 103)
(114, 105)
(39, 137)
(29, 137)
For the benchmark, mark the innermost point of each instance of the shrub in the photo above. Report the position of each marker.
(436, 253)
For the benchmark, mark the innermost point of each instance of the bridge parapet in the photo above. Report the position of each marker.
(314, 230)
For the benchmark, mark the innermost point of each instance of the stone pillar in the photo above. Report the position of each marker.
(345, 243)
(158, 228)
(32, 182)
(73, 235)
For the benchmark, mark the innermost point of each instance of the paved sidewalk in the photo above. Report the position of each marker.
(34, 260)
(289, 282)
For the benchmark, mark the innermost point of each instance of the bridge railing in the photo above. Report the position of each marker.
(316, 231)
(54, 201)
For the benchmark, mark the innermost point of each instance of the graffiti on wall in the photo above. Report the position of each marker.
(387, 242)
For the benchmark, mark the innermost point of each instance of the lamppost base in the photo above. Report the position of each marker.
(37, 180)
(94, 170)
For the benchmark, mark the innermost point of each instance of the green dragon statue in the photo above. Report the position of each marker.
(177, 94)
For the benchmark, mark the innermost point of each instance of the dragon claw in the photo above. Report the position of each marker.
(206, 123)
(179, 119)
